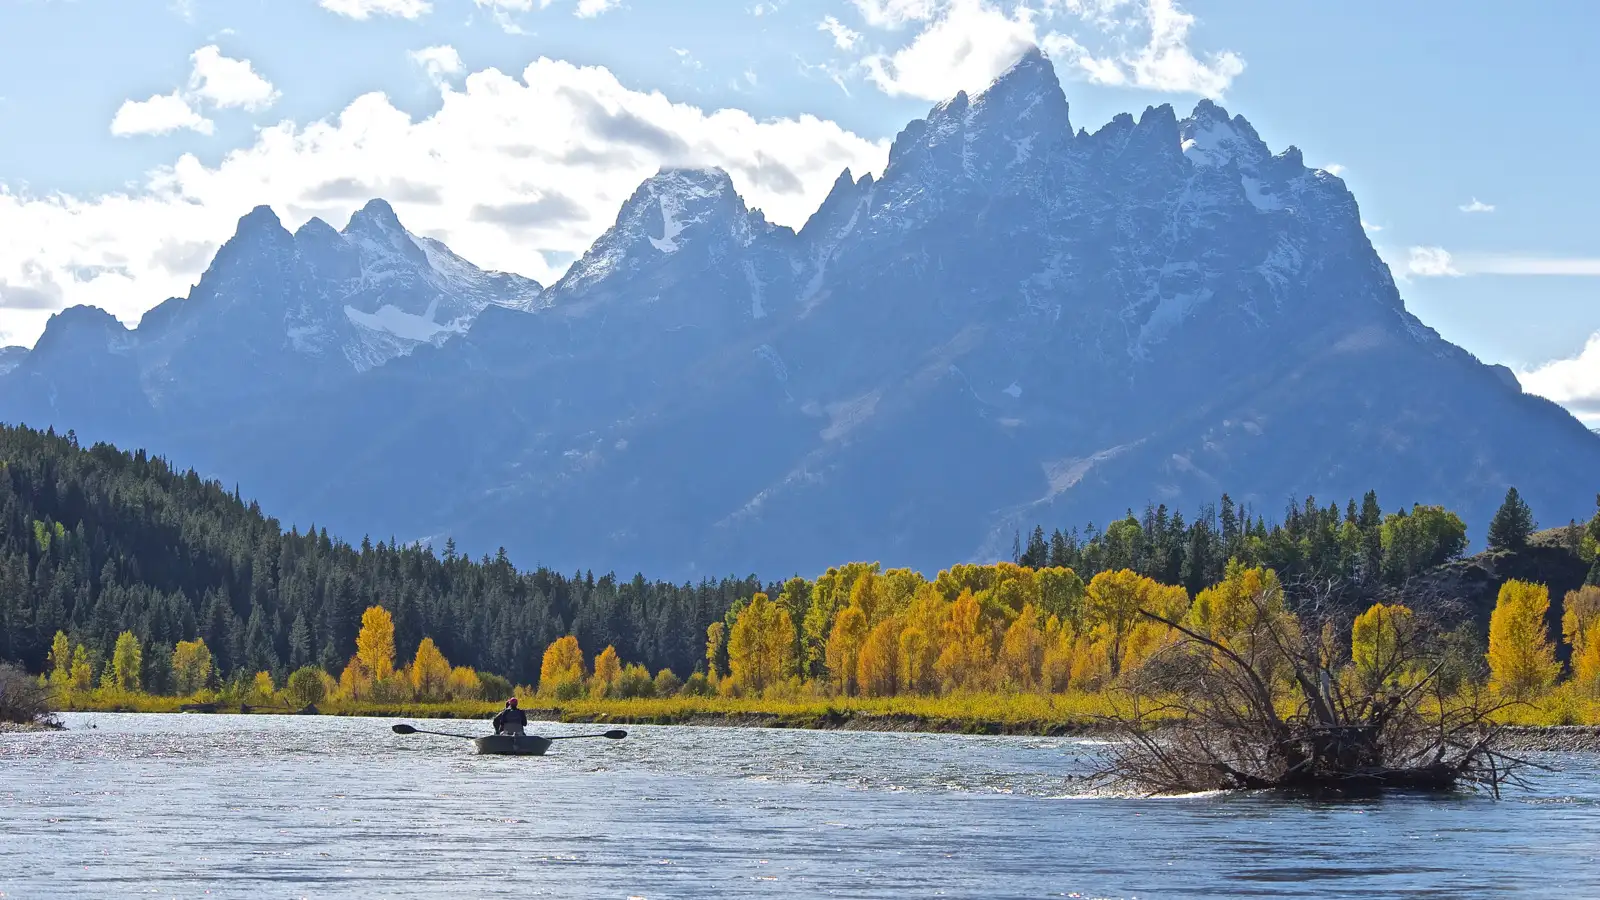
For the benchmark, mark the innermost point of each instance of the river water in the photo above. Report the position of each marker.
(267, 806)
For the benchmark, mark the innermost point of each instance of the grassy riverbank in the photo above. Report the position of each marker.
(1035, 714)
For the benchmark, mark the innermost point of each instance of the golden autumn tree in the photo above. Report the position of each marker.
(878, 666)
(965, 655)
(843, 653)
(1022, 650)
(917, 657)
(82, 669)
(191, 666)
(375, 643)
(60, 661)
(356, 681)
(430, 671)
(562, 665)
(1522, 661)
(1580, 628)
(607, 671)
(464, 683)
(716, 636)
(127, 662)
(1378, 643)
(1112, 604)
(761, 645)
(262, 686)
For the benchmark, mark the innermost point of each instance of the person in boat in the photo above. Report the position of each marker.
(511, 720)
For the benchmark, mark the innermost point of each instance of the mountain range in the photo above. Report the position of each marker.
(1017, 323)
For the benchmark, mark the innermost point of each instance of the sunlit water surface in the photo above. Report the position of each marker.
(266, 806)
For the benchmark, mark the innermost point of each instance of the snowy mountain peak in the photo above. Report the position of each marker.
(376, 217)
(1211, 139)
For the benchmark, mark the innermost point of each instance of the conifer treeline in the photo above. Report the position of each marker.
(99, 541)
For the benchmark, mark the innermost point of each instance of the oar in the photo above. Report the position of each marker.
(403, 728)
(615, 735)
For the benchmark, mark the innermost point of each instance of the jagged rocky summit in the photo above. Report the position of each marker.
(1017, 323)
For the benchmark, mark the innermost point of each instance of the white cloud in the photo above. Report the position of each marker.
(843, 37)
(510, 171)
(1476, 206)
(588, 9)
(215, 80)
(969, 43)
(1436, 261)
(1430, 262)
(687, 58)
(161, 114)
(438, 62)
(1163, 62)
(895, 13)
(1573, 383)
(1371, 227)
(226, 82)
(501, 11)
(1334, 169)
(964, 44)
(364, 9)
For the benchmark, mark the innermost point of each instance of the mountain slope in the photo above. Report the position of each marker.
(1017, 322)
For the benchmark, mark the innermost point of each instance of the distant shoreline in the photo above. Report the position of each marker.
(1522, 738)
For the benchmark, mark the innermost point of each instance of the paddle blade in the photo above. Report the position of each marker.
(616, 735)
(403, 728)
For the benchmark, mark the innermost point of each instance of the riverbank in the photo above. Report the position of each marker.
(986, 714)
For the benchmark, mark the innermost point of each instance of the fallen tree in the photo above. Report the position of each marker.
(1245, 694)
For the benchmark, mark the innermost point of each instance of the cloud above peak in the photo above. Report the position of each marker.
(215, 80)
(964, 44)
(361, 10)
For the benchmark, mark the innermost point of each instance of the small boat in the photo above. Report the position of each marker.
(511, 745)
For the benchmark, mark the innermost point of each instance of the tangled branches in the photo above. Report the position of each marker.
(1248, 695)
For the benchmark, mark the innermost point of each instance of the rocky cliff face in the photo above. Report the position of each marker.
(1016, 323)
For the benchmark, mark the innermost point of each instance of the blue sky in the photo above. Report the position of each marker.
(136, 132)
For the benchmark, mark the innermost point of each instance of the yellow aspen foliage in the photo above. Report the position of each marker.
(878, 668)
(843, 652)
(375, 642)
(965, 656)
(1378, 640)
(1112, 604)
(82, 670)
(355, 682)
(1586, 663)
(1061, 594)
(261, 687)
(430, 671)
(715, 634)
(1145, 641)
(1022, 650)
(1091, 664)
(1522, 661)
(1056, 670)
(60, 660)
(917, 658)
(127, 662)
(864, 595)
(830, 594)
(1234, 605)
(897, 588)
(191, 666)
(607, 671)
(1580, 610)
(464, 683)
(761, 645)
(562, 664)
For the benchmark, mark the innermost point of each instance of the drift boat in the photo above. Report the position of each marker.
(511, 745)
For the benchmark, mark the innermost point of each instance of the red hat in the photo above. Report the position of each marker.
(512, 702)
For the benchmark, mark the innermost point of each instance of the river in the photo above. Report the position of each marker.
(270, 806)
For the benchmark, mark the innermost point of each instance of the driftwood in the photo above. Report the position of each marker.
(1274, 705)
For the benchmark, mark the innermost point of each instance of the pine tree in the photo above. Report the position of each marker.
(1512, 523)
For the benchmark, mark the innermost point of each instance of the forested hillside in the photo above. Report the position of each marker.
(97, 541)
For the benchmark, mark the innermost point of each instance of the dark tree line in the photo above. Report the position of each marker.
(97, 541)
